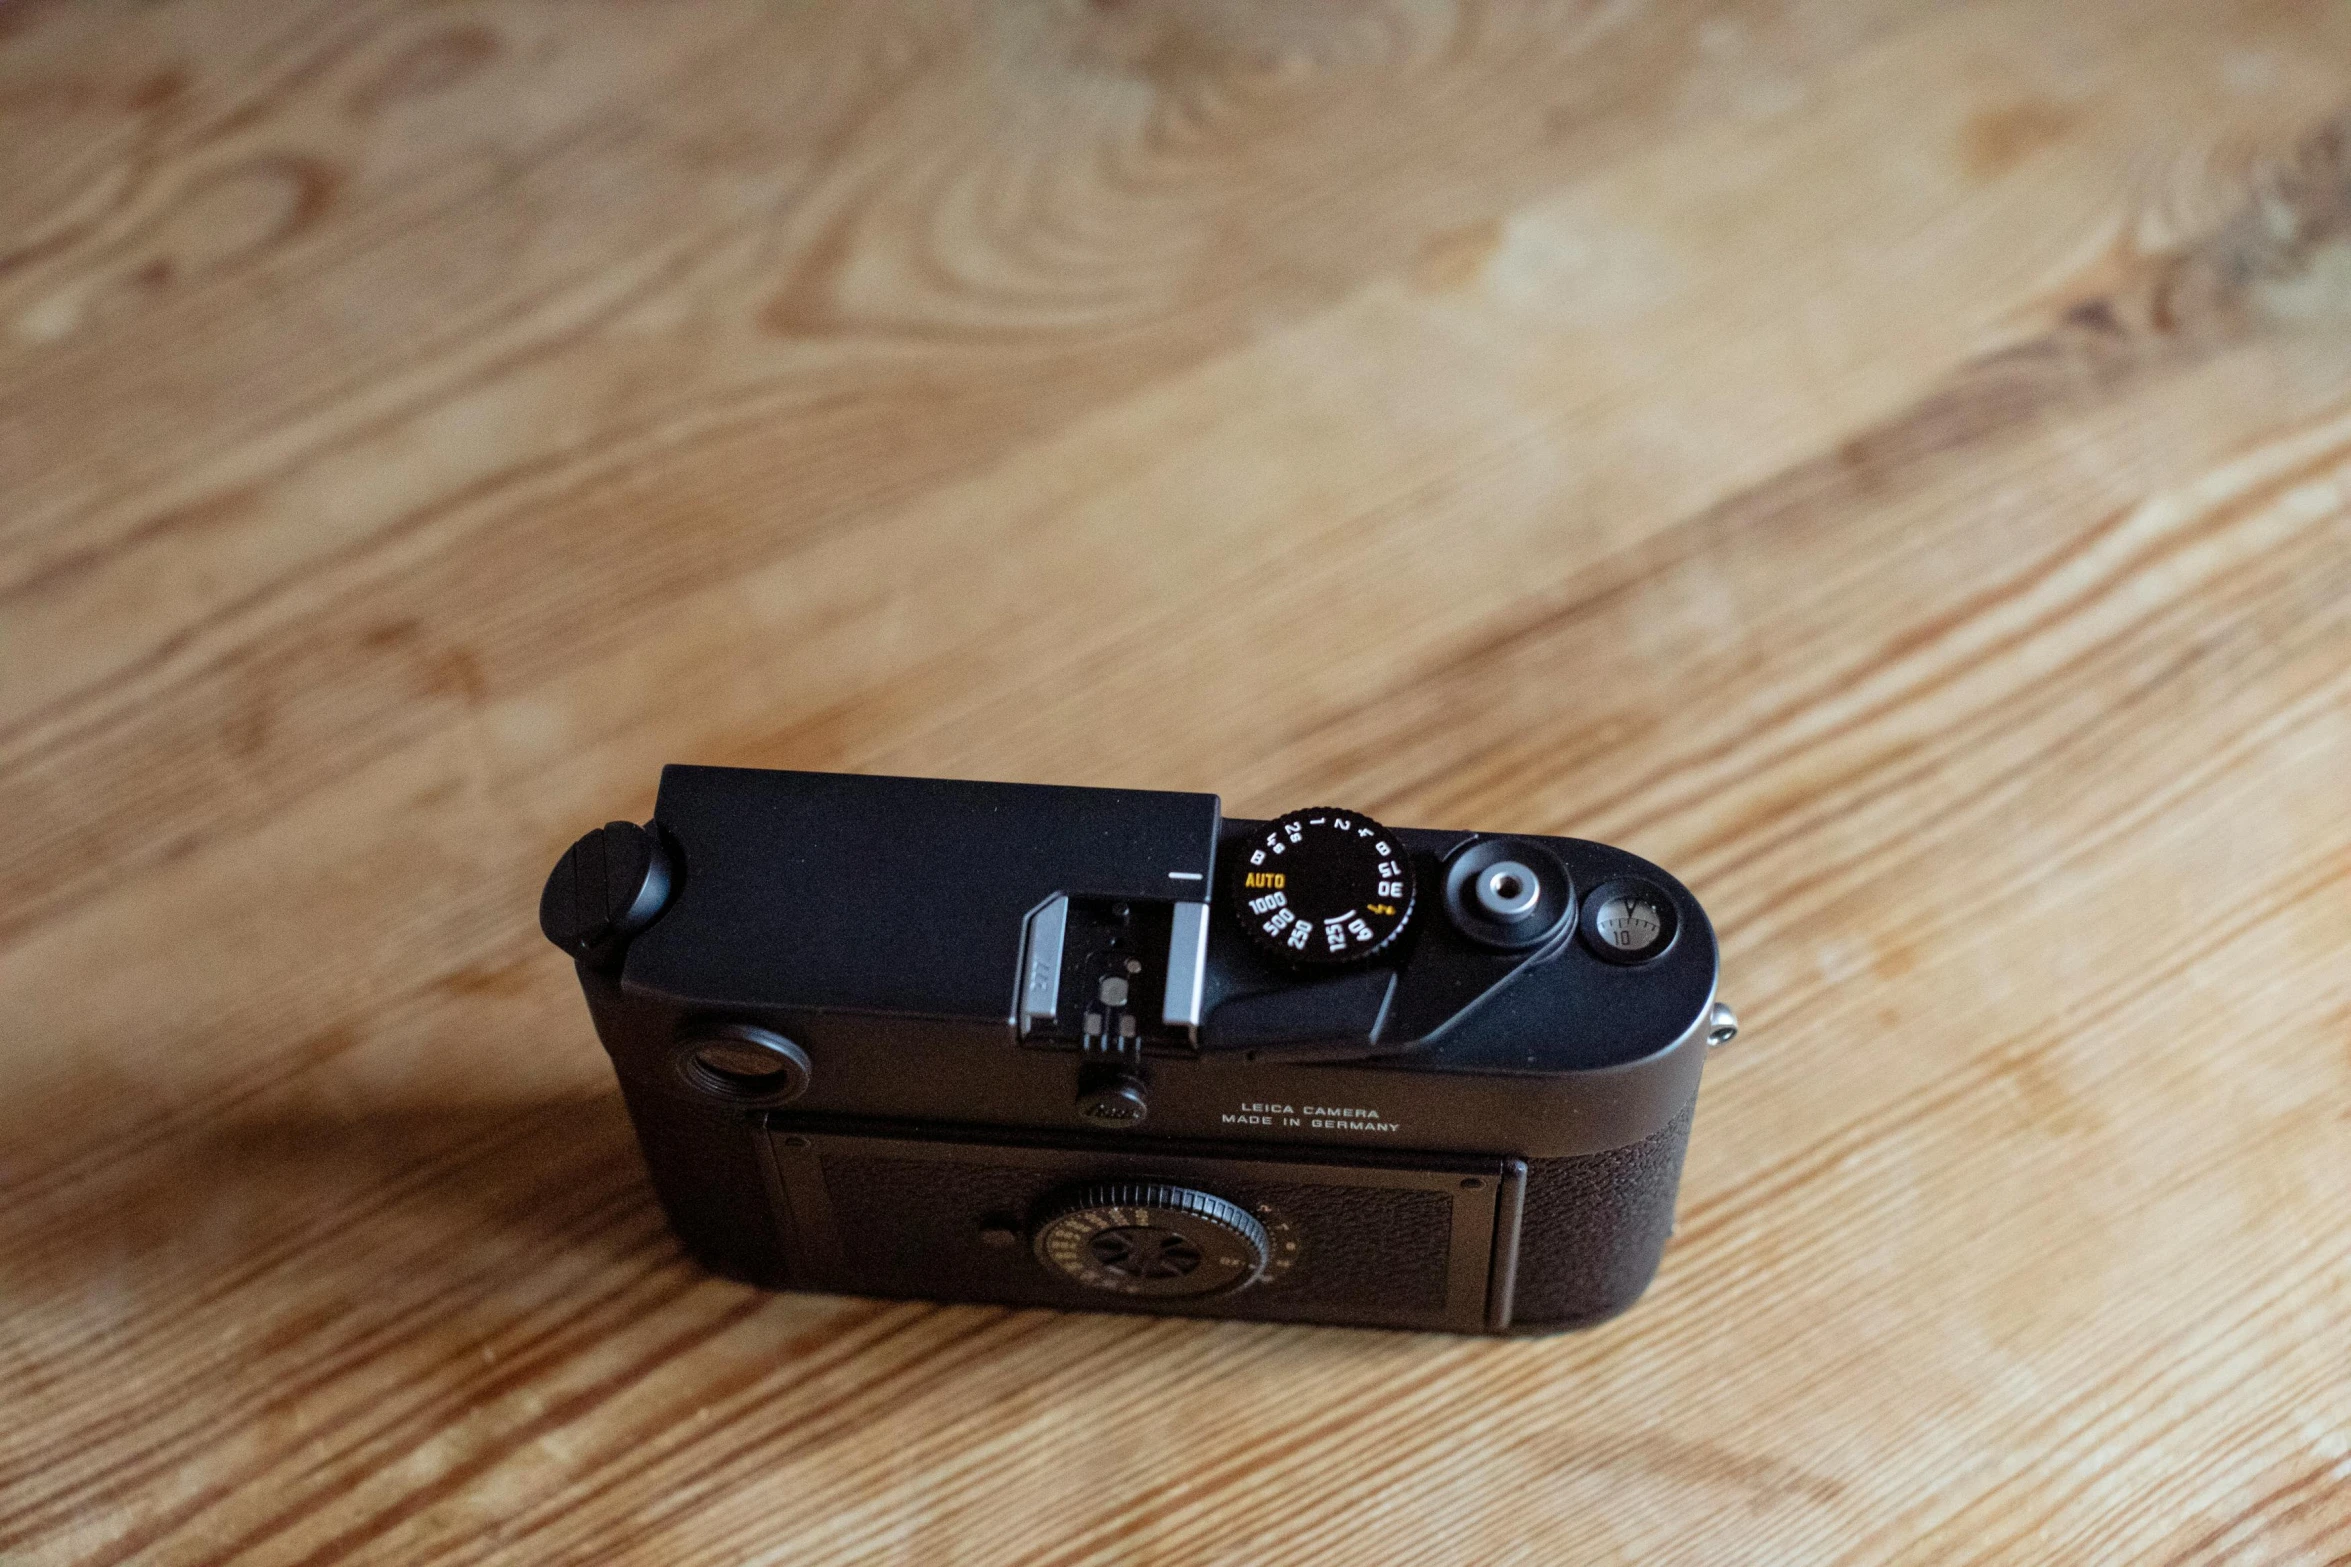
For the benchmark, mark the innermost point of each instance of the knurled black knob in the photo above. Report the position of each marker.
(1322, 887)
(1113, 1098)
(1150, 1239)
(606, 888)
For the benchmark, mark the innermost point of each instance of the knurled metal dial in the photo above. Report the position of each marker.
(1322, 887)
(1153, 1240)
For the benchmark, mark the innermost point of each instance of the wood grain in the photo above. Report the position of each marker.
(1890, 462)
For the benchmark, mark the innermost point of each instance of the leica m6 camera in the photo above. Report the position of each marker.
(1107, 1049)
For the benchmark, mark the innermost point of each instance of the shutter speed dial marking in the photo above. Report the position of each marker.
(1322, 887)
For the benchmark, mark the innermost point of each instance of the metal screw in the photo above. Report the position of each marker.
(1722, 1026)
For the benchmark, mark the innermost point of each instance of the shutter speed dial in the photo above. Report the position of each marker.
(1322, 888)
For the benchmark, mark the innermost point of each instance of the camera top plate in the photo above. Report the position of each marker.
(883, 928)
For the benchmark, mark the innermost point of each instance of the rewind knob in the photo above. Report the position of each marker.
(1322, 887)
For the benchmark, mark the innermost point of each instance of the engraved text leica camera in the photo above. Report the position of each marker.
(1108, 1049)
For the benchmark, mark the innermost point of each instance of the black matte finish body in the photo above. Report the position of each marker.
(878, 925)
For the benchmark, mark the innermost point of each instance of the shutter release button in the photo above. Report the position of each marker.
(1508, 890)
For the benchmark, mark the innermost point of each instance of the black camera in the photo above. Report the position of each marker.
(1106, 1049)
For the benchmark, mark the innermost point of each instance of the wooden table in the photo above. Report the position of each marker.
(1885, 460)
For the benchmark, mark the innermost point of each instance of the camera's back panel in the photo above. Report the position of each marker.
(1398, 1242)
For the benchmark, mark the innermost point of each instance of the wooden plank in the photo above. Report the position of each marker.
(1888, 462)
